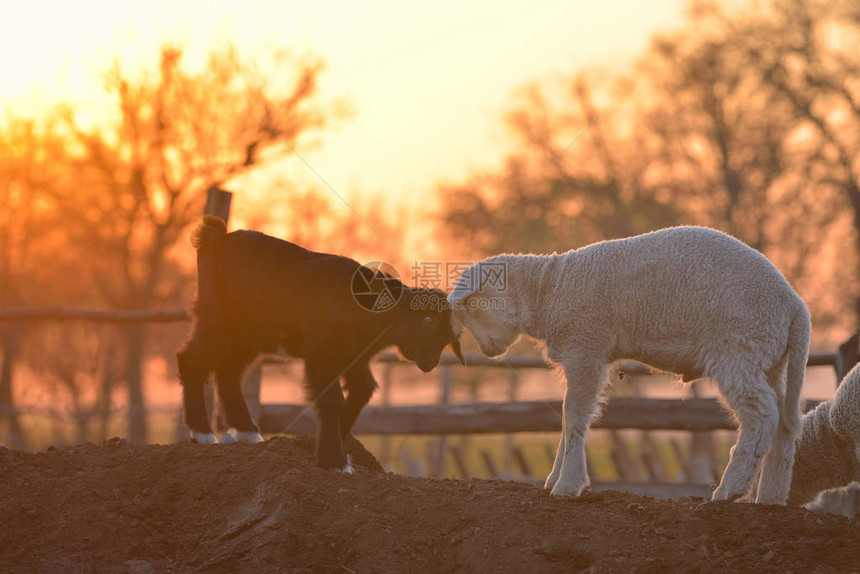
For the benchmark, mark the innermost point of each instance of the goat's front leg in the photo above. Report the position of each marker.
(586, 377)
(360, 385)
(324, 383)
(191, 361)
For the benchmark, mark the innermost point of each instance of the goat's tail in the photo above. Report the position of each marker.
(212, 230)
(798, 350)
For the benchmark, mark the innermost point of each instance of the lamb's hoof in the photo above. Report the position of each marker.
(203, 438)
(720, 495)
(567, 490)
(234, 435)
(551, 481)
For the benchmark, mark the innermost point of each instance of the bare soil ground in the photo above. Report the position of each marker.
(266, 508)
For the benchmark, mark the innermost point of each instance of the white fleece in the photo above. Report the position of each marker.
(688, 300)
(828, 451)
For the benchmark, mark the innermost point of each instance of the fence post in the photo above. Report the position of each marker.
(218, 202)
(846, 356)
(385, 448)
(513, 383)
(446, 379)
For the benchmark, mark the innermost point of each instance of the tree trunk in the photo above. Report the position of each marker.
(134, 381)
(7, 397)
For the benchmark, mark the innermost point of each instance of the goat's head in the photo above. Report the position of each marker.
(424, 327)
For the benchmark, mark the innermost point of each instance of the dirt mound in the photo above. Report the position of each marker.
(266, 507)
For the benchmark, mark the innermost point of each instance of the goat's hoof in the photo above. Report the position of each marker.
(242, 436)
(203, 438)
(347, 468)
(333, 462)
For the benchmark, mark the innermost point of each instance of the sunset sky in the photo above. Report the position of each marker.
(427, 86)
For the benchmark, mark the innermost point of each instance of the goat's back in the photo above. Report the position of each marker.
(275, 290)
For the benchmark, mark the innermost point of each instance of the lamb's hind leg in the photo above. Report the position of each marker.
(193, 369)
(229, 373)
(778, 463)
(586, 377)
(776, 469)
(747, 392)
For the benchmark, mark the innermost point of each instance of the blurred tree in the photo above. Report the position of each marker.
(805, 51)
(719, 132)
(316, 219)
(557, 192)
(138, 184)
(726, 148)
(29, 154)
(747, 119)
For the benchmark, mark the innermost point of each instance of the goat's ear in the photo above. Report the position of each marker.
(455, 346)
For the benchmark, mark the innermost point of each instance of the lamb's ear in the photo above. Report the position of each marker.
(455, 346)
(459, 295)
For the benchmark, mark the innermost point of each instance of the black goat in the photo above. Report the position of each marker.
(256, 294)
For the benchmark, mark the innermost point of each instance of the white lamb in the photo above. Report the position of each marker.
(688, 300)
(828, 451)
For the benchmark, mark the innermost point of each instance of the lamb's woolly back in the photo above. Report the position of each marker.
(828, 451)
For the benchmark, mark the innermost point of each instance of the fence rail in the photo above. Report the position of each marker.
(524, 416)
(98, 315)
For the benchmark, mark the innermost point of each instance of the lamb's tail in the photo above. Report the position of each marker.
(798, 350)
(210, 233)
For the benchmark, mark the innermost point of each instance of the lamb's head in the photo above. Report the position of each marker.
(482, 303)
(424, 328)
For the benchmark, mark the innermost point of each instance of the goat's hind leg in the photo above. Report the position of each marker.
(324, 385)
(360, 386)
(192, 364)
(241, 426)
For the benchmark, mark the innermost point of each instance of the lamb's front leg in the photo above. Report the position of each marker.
(586, 378)
(559, 459)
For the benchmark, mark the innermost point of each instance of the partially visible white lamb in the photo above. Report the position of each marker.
(688, 300)
(828, 451)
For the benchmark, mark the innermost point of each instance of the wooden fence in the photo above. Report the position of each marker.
(699, 416)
